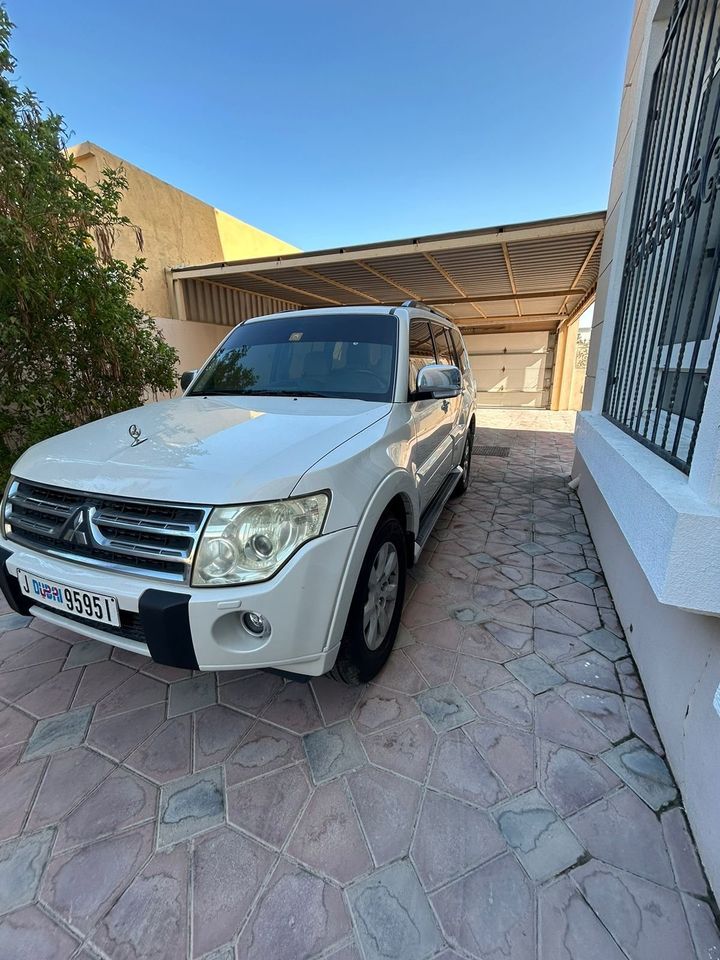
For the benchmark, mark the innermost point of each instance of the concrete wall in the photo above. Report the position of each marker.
(678, 656)
(178, 229)
(657, 531)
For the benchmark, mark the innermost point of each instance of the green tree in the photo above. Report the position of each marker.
(73, 347)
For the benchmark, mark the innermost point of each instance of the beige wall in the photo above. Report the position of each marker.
(177, 228)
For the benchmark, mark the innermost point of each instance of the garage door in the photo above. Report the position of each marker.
(511, 369)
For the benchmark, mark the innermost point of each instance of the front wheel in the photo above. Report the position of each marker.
(464, 478)
(376, 607)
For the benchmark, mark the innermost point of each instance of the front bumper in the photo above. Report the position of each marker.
(201, 627)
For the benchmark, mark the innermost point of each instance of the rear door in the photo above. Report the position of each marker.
(452, 431)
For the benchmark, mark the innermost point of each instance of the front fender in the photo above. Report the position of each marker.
(397, 483)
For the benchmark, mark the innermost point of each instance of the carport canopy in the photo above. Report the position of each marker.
(536, 276)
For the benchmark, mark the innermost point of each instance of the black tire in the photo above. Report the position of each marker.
(466, 462)
(357, 662)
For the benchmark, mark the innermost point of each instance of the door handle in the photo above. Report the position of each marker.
(445, 405)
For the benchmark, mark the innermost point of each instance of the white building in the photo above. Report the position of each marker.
(648, 441)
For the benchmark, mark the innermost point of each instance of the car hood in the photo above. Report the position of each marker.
(209, 450)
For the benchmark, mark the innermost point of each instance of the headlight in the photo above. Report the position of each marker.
(250, 543)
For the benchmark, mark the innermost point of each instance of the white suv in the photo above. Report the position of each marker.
(267, 517)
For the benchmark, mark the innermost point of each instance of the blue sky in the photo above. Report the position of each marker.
(331, 122)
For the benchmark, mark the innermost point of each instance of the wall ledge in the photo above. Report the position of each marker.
(674, 533)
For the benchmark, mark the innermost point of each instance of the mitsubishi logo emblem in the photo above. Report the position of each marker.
(76, 530)
(135, 431)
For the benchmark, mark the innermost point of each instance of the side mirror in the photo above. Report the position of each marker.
(186, 379)
(438, 381)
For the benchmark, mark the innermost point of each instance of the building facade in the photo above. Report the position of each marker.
(648, 439)
(177, 229)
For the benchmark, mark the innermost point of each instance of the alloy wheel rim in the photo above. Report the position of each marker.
(382, 595)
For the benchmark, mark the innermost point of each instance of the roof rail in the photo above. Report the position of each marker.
(424, 306)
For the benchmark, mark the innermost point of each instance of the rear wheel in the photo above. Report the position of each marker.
(464, 478)
(376, 607)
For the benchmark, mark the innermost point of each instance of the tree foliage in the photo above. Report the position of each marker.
(73, 346)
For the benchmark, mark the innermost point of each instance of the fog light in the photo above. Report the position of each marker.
(255, 623)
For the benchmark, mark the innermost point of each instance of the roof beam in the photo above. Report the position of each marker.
(498, 297)
(336, 283)
(584, 264)
(443, 272)
(511, 278)
(286, 286)
(382, 276)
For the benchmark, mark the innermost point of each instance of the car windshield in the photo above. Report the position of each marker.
(322, 355)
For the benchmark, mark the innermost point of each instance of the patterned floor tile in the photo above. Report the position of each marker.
(387, 806)
(192, 694)
(269, 806)
(298, 915)
(58, 733)
(458, 769)
(264, 749)
(567, 927)
(190, 806)
(165, 755)
(643, 771)
(444, 707)
(69, 777)
(404, 749)
(333, 751)
(22, 862)
(393, 917)
(30, 933)
(220, 902)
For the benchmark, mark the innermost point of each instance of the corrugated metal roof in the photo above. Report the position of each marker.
(537, 273)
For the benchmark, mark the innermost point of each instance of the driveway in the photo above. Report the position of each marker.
(499, 793)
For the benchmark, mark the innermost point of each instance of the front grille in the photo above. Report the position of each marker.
(128, 535)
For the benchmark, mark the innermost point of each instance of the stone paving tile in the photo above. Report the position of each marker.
(510, 703)
(228, 871)
(379, 708)
(149, 918)
(87, 651)
(191, 805)
(192, 694)
(404, 749)
(328, 838)
(534, 673)
(508, 751)
(451, 838)
(623, 831)
(298, 915)
(29, 934)
(567, 927)
(123, 800)
(685, 861)
(445, 707)
(645, 919)
(490, 913)
(22, 862)
(80, 886)
(15, 727)
(387, 806)
(165, 755)
(542, 842)
(458, 769)
(390, 797)
(218, 730)
(606, 643)
(643, 771)
(392, 915)
(119, 736)
(69, 777)
(602, 709)
(333, 751)
(556, 720)
(18, 784)
(571, 780)
(269, 806)
(58, 733)
(264, 749)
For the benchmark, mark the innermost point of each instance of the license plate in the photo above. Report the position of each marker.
(81, 603)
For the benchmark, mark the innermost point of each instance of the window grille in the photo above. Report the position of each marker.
(666, 332)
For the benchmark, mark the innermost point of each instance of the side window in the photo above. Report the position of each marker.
(421, 350)
(443, 347)
(460, 350)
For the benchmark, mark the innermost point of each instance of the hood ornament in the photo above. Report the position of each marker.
(135, 432)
